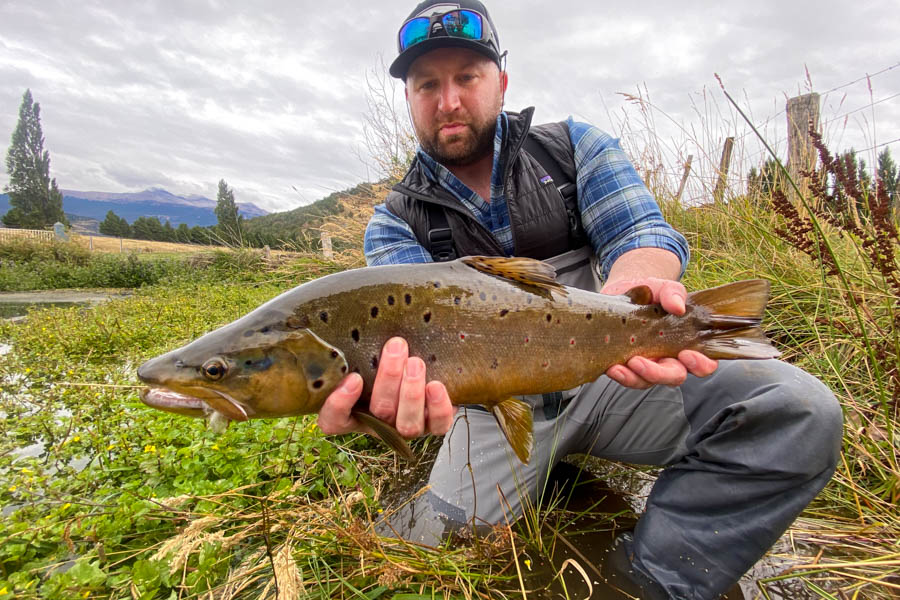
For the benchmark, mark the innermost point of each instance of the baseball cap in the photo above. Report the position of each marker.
(436, 34)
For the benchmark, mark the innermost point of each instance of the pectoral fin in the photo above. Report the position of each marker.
(641, 294)
(534, 274)
(388, 434)
(515, 421)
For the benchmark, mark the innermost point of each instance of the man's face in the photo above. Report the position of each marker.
(454, 97)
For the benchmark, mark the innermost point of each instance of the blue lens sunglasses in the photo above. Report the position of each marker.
(464, 24)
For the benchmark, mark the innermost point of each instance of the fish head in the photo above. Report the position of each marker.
(283, 373)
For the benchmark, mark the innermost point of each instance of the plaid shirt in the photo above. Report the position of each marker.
(617, 210)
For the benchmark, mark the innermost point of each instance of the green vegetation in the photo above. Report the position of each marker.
(117, 500)
(230, 222)
(34, 198)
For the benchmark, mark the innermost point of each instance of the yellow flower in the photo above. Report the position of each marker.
(77, 438)
(66, 505)
(86, 594)
(149, 448)
(12, 488)
(528, 563)
(111, 446)
(26, 471)
(215, 446)
(4, 590)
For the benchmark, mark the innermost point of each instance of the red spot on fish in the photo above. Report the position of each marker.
(459, 370)
(606, 339)
(462, 336)
(527, 340)
(632, 339)
(545, 364)
(660, 334)
(572, 342)
(643, 321)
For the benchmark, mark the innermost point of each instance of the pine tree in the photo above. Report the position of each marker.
(230, 222)
(115, 225)
(35, 200)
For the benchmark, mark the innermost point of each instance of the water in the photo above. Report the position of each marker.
(10, 310)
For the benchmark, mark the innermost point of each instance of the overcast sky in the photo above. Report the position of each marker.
(271, 95)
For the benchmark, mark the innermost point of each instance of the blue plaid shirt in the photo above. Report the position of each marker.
(617, 210)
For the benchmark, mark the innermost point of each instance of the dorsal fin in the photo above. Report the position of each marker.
(641, 294)
(527, 271)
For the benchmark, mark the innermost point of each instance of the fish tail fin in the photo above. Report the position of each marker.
(388, 434)
(735, 313)
(515, 421)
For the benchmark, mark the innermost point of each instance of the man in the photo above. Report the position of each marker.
(746, 444)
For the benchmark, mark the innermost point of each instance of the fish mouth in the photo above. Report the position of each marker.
(163, 398)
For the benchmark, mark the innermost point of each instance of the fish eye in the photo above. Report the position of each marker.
(214, 369)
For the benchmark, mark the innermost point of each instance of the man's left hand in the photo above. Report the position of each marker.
(640, 372)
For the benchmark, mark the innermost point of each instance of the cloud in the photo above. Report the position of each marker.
(270, 95)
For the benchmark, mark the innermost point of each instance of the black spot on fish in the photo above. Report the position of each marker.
(408, 299)
(437, 284)
(355, 335)
(390, 300)
(549, 318)
(374, 362)
(318, 383)
(248, 333)
(374, 312)
(427, 317)
(248, 362)
(656, 310)
(432, 358)
(504, 312)
(483, 296)
(335, 354)
(265, 329)
(589, 316)
(624, 320)
(324, 316)
(457, 300)
(343, 369)
(495, 364)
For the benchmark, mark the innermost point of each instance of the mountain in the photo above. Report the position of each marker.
(154, 202)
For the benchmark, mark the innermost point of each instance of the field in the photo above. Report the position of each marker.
(111, 244)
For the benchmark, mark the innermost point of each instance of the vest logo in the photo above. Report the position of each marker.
(546, 179)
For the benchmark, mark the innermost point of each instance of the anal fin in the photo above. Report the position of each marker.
(388, 434)
(515, 420)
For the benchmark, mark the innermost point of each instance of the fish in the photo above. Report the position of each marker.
(490, 328)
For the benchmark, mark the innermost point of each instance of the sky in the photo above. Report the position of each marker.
(272, 95)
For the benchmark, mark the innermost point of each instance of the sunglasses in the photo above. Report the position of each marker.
(463, 24)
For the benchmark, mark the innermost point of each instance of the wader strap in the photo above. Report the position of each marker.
(440, 236)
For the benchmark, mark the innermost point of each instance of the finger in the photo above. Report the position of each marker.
(666, 371)
(334, 416)
(411, 407)
(438, 408)
(386, 389)
(672, 297)
(626, 377)
(698, 364)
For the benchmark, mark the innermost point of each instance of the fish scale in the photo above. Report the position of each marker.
(489, 328)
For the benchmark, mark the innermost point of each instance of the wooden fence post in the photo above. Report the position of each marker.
(326, 246)
(724, 164)
(802, 115)
(687, 171)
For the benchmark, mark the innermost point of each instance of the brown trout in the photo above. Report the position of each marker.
(489, 328)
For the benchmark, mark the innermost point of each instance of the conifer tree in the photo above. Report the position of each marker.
(230, 221)
(35, 200)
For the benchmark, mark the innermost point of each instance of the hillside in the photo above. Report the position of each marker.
(298, 227)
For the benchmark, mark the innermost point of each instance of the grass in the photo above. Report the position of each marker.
(163, 508)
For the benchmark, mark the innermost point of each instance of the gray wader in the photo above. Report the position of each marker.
(745, 450)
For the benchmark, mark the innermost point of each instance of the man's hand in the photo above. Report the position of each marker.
(640, 372)
(400, 397)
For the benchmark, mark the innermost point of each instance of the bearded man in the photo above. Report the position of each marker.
(746, 445)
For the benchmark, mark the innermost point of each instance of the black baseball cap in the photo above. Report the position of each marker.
(489, 47)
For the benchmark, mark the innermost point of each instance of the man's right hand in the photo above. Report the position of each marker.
(400, 397)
